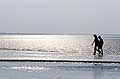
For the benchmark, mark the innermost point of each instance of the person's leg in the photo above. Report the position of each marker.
(95, 48)
(101, 47)
(101, 51)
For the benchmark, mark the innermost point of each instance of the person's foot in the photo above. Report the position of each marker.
(93, 53)
(101, 53)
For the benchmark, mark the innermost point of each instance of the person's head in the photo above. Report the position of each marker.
(95, 35)
(99, 37)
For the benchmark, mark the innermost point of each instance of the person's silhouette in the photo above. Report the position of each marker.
(96, 41)
(100, 46)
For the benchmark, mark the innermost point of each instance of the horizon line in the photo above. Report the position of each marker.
(30, 33)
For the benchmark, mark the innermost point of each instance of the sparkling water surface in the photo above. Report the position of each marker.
(56, 47)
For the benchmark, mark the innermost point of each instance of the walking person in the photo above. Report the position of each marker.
(96, 41)
(100, 46)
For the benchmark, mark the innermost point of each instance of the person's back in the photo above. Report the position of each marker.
(101, 42)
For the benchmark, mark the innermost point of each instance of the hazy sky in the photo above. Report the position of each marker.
(60, 16)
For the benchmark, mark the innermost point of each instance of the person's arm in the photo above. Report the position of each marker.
(93, 42)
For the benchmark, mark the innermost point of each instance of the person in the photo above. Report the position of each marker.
(100, 46)
(96, 41)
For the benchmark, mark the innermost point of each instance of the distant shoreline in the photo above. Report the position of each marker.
(50, 34)
(40, 34)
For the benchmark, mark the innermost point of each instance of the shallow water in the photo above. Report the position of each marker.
(56, 47)
(28, 70)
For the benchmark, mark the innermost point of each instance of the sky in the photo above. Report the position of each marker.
(60, 16)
